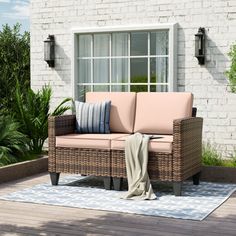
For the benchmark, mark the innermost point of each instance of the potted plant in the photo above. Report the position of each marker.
(23, 134)
(215, 168)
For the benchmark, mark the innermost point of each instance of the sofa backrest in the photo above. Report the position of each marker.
(122, 109)
(155, 112)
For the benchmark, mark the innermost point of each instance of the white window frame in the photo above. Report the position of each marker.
(172, 63)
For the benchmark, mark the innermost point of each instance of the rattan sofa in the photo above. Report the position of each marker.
(174, 156)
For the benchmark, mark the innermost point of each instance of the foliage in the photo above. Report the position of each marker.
(231, 73)
(210, 157)
(144, 88)
(14, 63)
(12, 142)
(138, 88)
(231, 162)
(32, 112)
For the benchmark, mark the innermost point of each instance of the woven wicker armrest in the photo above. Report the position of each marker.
(58, 125)
(187, 147)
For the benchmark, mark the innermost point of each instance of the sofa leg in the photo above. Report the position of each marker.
(177, 188)
(196, 178)
(117, 183)
(107, 182)
(54, 178)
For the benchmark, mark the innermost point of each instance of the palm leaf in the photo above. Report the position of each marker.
(12, 141)
(59, 110)
(33, 111)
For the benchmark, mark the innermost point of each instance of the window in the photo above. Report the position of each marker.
(134, 60)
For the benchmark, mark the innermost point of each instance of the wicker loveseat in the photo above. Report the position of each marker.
(174, 156)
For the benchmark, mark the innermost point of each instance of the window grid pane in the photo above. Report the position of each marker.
(101, 70)
(119, 42)
(159, 70)
(129, 62)
(149, 61)
(139, 70)
(119, 70)
(120, 57)
(84, 66)
(159, 43)
(92, 79)
(84, 45)
(119, 88)
(101, 88)
(109, 62)
(101, 45)
(110, 42)
(82, 90)
(139, 43)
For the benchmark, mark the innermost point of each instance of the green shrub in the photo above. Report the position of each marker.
(12, 142)
(231, 73)
(14, 63)
(32, 112)
(210, 157)
(232, 161)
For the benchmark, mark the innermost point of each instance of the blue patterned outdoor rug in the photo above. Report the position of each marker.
(196, 203)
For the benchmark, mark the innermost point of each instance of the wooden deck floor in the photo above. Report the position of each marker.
(34, 219)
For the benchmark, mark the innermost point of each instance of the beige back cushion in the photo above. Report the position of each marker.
(155, 112)
(122, 109)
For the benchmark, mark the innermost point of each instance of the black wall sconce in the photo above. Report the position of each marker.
(49, 50)
(200, 46)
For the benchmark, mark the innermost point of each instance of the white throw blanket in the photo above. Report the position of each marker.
(136, 157)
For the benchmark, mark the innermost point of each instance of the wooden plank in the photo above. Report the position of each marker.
(29, 218)
(158, 226)
(23, 169)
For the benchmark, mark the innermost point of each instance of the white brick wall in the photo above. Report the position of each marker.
(208, 83)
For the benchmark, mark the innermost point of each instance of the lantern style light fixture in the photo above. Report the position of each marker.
(49, 50)
(200, 46)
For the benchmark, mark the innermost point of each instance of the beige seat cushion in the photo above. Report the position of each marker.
(155, 112)
(94, 141)
(162, 144)
(122, 109)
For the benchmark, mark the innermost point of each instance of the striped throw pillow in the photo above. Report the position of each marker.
(93, 117)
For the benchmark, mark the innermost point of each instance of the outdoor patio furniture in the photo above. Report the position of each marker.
(174, 156)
